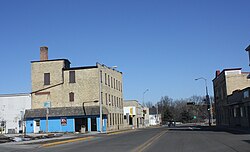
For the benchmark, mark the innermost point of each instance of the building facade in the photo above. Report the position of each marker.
(225, 83)
(239, 108)
(133, 114)
(73, 95)
(154, 117)
(146, 116)
(12, 111)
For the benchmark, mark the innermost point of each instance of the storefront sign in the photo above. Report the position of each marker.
(63, 121)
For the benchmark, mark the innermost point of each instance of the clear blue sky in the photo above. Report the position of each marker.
(159, 45)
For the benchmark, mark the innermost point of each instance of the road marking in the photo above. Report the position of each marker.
(119, 132)
(149, 142)
(66, 141)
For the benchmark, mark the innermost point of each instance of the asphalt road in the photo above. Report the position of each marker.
(183, 139)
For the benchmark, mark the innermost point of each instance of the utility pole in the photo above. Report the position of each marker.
(208, 102)
(143, 96)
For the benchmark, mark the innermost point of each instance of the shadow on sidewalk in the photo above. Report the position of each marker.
(239, 131)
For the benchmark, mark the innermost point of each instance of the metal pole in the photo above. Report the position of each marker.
(208, 103)
(210, 113)
(143, 96)
(47, 117)
(100, 101)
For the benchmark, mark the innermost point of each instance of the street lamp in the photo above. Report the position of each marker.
(209, 105)
(83, 107)
(143, 96)
(248, 50)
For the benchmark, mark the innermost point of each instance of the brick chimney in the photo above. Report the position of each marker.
(43, 53)
(217, 73)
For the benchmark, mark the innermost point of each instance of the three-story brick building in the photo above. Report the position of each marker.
(65, 98)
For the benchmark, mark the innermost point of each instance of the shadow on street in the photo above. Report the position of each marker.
(240, 131)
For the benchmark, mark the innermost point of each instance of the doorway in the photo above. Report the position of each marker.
(93, 124)
(79, 122)
(36, 126)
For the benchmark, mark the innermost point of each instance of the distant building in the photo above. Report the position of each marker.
(239, 108)
(12, 108)
(146, 116)
(225, 83)
(72, 96)
(133, 114)
(154, 117)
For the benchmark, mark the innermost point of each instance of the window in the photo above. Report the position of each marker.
(108, 81)
(246, 94)
(102, 97)
(110, 119)
(101, 76)
(37, 123)
(72, 77)
(241, 111)
(113, 115)
(112, 100)
(111, 82)
(106, 78)
(121, 87)
(71, 97)
(117, 85)
(109, 100)
(117, 100)
(114, 84)
(106, 97)
(235, 112)
(46, 78)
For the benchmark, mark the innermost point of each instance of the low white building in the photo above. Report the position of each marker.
(12, 108)
(146, 116)
(154, 117)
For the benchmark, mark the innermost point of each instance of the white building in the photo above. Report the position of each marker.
(146, 116)
(154, 117)
(12, 108)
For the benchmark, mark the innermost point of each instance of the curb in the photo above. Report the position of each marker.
(66, 141)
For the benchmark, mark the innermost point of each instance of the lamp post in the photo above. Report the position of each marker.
(143, 96)
(209, 105)
(248, 50)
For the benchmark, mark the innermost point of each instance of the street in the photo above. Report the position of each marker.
(179, 139)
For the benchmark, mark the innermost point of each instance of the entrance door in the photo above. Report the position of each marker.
(93, 124)
(37, 126)
(79, 122)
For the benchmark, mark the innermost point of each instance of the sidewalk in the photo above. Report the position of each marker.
(44, 138)
(18, 139)
(234, 130)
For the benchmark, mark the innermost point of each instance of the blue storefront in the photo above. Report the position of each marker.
(64, 120)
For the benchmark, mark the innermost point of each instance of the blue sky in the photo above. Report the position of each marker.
(159, 45)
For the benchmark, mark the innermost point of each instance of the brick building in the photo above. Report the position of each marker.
(239, 108)
(225, 83)
(72, 96)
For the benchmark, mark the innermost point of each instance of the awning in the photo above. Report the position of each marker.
(65, 111)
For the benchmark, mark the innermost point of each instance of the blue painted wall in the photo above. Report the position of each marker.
(54, 125)
(104, 122)
(29, 126)
(89, 124)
